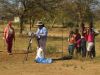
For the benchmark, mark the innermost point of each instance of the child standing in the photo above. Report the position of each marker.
(83, 46)
(78, 41)
(71, 41)
(90, 42)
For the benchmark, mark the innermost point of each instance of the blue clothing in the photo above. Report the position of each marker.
(42, 32)
(71, 49)
(83, 47)
(44, 60)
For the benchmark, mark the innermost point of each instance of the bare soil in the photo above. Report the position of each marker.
(14, 65)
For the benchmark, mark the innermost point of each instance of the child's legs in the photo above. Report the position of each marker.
(79, 50)
(71, 50)
(83, 51)
(93, 51)
(89, 48)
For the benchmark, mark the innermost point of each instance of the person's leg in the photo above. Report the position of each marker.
(40, 53)
(72, 50)
(83, 51)
(88, 50)
(76, 51)
(93, 51)
(91, 44)
(44, 48)
(79, 50)
(42, 43)
(69, 50)
(9, 46)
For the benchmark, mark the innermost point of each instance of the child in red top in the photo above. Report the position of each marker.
(90, 41)
(71, 41)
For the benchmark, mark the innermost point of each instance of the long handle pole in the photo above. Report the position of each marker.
(26, 56)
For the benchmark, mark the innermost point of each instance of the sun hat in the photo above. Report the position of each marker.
(39, 23)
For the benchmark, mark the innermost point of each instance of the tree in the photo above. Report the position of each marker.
(85, 9)
(50, 10)
(78, 10)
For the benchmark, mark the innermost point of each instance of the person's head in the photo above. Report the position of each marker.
(40, 24)
(71, 33)
(90, 26)
(10, 24)
(76, 31)
(82, 25)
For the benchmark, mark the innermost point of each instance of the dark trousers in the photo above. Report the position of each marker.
(93, 52)
(83, 48)
(71, 49)
(78, 50)
(9, 45)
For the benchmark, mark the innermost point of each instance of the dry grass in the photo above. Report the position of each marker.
(13, 65)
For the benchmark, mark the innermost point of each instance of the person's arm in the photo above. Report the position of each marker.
(5, 33)
(78, 41)
(37, 33)
(96, 32)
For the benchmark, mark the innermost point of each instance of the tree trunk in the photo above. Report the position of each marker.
(30, 23)
(21, 24)
(33, 20)
(53, 22)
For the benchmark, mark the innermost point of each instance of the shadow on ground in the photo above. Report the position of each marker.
(63, 58)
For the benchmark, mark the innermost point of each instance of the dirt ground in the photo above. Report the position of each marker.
(14, 65)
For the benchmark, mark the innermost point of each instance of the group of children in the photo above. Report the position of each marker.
(83, 43)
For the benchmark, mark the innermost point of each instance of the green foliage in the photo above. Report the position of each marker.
(50, 11)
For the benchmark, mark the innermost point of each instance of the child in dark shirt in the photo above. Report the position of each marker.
(83, 46)
(78, 40)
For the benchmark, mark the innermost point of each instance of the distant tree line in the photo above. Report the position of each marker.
(66, 12)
